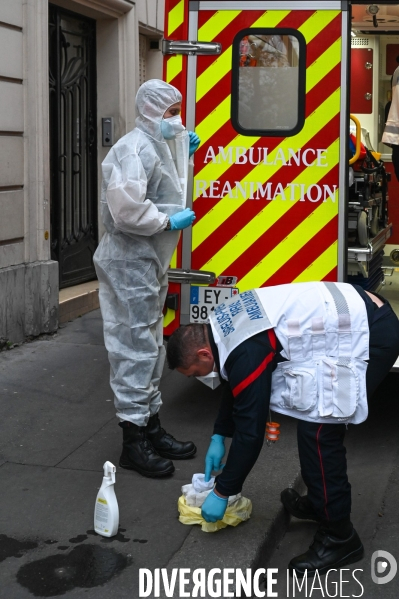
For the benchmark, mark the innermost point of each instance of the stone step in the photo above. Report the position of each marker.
(78, 300)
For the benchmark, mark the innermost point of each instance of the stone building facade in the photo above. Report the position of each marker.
(64, 68)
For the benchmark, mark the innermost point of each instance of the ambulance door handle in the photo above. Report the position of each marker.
(368, 65)
(194, 48)
(180, 275)
(368, 96)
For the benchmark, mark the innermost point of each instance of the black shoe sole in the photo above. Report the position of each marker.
(173, 456)
(351, 558)
(148, 473)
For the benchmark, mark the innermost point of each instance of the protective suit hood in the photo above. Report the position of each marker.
(153, 98)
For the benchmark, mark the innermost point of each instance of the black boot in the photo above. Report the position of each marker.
(297, 505)
(165, 444)
(138, 454)
(329, 551)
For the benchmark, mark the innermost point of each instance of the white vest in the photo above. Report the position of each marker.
(324, 332)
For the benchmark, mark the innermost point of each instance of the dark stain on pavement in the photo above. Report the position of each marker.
(118, 537)
(140, 541)
(10, 547)
(63, 547)
(50, 542)
(86, 566)
(78, 539)
(91, 532)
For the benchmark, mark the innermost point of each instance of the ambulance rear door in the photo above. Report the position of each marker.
(270, 175)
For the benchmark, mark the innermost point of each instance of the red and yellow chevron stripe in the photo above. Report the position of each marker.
(176, 28)
(175, 73)
(267, 242)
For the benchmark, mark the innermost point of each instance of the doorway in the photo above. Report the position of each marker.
(73, 144)
(375, 56)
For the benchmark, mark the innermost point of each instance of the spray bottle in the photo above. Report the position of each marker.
(106, 511)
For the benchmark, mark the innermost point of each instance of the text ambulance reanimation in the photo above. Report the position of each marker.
(257, 190)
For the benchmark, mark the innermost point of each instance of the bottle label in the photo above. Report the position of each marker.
(101, 515)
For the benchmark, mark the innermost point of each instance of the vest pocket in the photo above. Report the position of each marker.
(295, 386)
(339, 386)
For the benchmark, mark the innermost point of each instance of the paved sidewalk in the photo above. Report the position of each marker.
(57, 428)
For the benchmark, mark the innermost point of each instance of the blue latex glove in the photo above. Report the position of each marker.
(214, 456)
(214, 507)
(194, 142)
(182, 219)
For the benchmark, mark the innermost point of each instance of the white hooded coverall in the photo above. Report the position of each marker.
(140, 188)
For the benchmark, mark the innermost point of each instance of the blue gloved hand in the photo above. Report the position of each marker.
(194, 142)
(214, 507)
(182, 219)
(214, 456)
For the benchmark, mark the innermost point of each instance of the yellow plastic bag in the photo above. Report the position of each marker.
(236, 512)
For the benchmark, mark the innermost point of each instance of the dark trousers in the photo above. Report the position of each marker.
(321, 446)
(395, 159)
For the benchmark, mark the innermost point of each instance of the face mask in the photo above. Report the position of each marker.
(211, 380)
(171, 127)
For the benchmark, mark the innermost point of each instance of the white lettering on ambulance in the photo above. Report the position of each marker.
(309, 193)
(210, 155)
(241, 155)
(264, 191)
(305, 157)
(225, 156)
(279, 191)
(214, 189)
(251, 155)
(265, 151)
(227, 191)
(280, 157)
(251, 190)
(296, 156)
(255, 156)
(321, 157)
(329, 192)
(241, 189)
(292, 186)
(200, 188)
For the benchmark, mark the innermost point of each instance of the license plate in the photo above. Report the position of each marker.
(204, 300)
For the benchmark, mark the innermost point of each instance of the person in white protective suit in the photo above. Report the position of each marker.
(143, 206)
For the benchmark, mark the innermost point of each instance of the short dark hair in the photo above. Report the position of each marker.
(183, 345)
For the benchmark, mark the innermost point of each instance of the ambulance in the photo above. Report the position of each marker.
(290, 182)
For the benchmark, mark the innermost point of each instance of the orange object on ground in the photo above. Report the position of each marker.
(272, 431)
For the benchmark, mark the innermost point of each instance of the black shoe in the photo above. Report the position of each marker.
(327, 552)
(166, 445)
(298, 506)
(138, 454)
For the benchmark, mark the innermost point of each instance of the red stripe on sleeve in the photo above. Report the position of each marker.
(258, 371)
(272, 338)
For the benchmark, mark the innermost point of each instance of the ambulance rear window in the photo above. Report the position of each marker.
(268, 82)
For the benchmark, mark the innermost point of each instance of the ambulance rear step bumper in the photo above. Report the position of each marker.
(365, 254)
